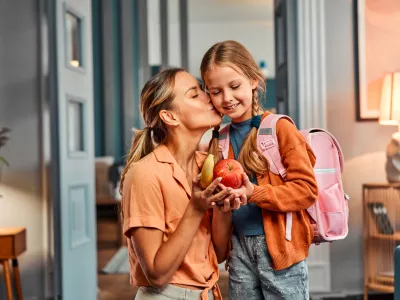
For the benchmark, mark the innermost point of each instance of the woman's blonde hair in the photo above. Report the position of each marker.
(157, 95)
(235, 55)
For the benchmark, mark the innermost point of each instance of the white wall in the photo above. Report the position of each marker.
(363, 143)
(257, 37)
(249, 22)
(22, 203)
(154, 33)
(174, 35)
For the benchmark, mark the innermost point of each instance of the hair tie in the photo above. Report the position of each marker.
(149, 129)
(215, 134)
(256, 121)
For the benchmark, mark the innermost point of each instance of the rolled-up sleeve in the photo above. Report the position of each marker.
(142, 201)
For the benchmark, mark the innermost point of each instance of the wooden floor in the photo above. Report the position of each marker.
(111, 286)
(116, 286)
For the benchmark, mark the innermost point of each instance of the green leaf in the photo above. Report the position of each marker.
(3, 160)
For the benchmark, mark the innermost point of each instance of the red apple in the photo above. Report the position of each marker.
(231, 172)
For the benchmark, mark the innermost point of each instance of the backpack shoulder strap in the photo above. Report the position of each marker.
(267, 142)
(223, 141)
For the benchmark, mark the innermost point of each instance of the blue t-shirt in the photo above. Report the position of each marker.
(247, 220)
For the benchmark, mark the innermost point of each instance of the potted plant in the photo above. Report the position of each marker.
(3, 140)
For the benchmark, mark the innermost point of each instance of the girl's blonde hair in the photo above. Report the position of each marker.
(235, 55)
(157, 95)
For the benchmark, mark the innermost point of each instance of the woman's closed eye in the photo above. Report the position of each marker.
(235, 87)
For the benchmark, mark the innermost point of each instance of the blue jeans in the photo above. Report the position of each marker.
(251, 276)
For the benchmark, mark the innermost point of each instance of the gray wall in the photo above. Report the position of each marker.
(363, 143)
(21, 204)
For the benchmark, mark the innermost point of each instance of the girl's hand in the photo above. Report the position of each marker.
(233, 202)
(247, 187)
(205, 199)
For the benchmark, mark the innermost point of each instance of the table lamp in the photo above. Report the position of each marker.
(390, 115)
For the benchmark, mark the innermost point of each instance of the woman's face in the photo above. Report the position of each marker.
(193, 106)
(231, 92)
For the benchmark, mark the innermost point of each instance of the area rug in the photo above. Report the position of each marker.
(119, 263)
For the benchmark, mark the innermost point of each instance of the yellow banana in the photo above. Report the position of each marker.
(207, 172)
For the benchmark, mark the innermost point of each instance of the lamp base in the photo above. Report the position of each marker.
(393, 159)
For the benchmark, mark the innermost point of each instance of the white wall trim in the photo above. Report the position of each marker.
(312, 109)
(312, 66)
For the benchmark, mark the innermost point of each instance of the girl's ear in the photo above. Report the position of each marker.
(253, 83)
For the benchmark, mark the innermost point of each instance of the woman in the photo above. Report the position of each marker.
(175, 239)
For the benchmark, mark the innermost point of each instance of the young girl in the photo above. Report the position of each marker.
(174, 240)
(262, 264)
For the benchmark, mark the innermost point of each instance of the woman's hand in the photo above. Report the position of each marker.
(205, 199)
(246, 189)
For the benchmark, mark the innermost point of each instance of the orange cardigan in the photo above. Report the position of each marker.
(296, 194)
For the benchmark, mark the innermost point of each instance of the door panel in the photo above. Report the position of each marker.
(74, 215)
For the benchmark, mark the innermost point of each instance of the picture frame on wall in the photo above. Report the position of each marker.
(376, 32)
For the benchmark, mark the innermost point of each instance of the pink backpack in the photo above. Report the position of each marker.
(329, 215)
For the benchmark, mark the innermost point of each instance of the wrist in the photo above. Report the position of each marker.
(222, 214)
(251, 191)
(194, 211)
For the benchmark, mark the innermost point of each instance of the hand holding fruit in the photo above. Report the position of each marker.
(205, 199)
(231, 173)
(234, 202)
(247, 187)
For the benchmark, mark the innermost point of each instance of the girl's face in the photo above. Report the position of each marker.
(192, 105)
(231, 92)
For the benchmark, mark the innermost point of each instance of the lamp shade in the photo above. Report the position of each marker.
(390, 100)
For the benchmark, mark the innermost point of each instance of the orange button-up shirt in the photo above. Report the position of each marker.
(155, 195)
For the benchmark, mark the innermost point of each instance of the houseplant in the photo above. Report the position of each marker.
(3, 140)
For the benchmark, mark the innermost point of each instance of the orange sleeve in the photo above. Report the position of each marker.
(143, 203)
(300, 190)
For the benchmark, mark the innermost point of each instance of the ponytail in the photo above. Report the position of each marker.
(141, 146)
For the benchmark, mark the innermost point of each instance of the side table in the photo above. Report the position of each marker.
(12, 244)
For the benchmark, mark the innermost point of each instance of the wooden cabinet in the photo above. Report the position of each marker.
(12, 244)
(381, 235)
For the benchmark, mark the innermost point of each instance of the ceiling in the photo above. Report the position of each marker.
(230, 10)
(219, 11)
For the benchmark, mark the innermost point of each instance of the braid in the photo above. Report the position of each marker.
(252, 160)
(256, 105)
(213, 147)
